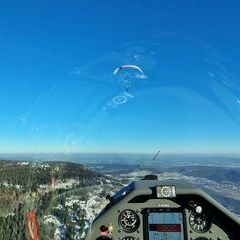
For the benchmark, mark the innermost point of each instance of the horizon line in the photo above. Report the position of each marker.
(120, 153)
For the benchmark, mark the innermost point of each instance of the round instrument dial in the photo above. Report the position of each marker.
(199, 222)
(166, 191)
(129, 220)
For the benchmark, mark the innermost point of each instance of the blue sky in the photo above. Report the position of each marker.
(58, 93)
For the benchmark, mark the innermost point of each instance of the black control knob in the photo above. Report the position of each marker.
(103, 238)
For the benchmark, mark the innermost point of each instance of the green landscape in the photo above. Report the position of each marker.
(58, 192)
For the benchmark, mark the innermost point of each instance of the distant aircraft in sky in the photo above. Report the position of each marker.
(127, 79)
(129, 66)
(155, 157)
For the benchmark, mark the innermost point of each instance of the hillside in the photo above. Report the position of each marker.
(29, 175)
(39, 186)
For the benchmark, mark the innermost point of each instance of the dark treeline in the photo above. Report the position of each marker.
(32, 175)
(13, 226)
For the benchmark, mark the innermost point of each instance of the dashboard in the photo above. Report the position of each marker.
(156, 210)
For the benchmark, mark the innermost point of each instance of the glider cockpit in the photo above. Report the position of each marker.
(158, 210)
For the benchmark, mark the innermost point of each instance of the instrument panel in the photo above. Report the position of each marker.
(155, 211)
